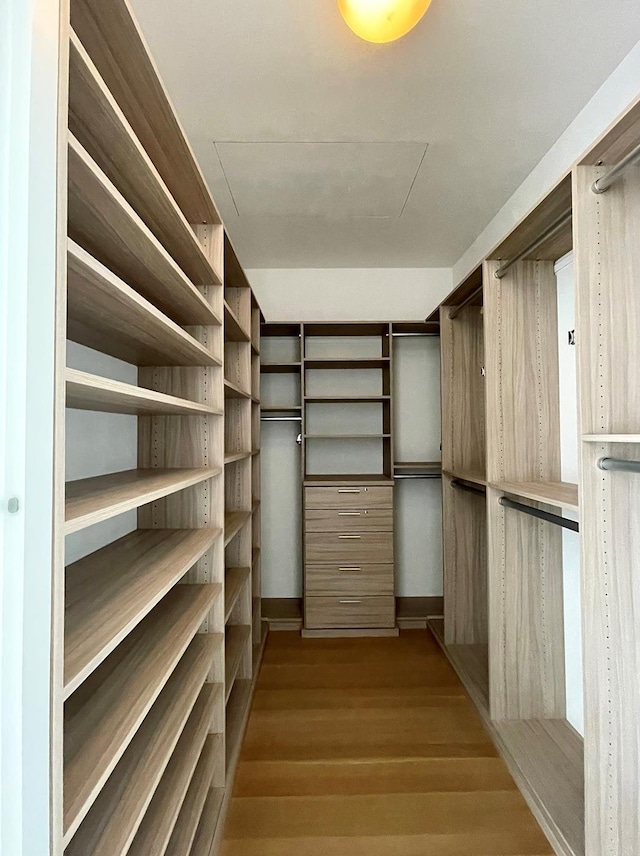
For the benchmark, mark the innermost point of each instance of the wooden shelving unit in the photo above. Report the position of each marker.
(156, 630)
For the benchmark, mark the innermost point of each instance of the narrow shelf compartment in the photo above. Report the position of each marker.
(237, 715)
(233, 523)
(472, 478)
(235, 643)
(232, 390)
(184, 831)
(347, 478)
(234, 580)
(103, 222)
(114, 818)
(611, 438)
(157, 827)
(93, 500)
(351, 363)
(418, 466)
(107, 315)
(232, 457)
(208, 822)
(233, 329)
(560, 494)
(101, 127)
(549, 755)
(91, 392)
(102, 718)
(108, 593)
(281, 368)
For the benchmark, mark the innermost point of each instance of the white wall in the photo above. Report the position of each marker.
(29, 57)
(565, 274)
(350, 295)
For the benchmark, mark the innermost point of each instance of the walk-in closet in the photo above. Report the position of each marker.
(319, 428)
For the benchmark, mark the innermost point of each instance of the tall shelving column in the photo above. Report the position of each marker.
(608, 268)
(160, 644)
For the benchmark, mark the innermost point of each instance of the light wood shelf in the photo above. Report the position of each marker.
(109, 592)
(103, 222)
(107, 315)
(560, 494)
(233, 457)
(117, 813)
(350, 363)
(471, 662)
(237, 714)
(471, 477)
(233, 329)
(233, 523)
(186, 825)
(345, 399)
(611, 438)
(92, 500)
(294, 408)
(255, 506)
(281, 368)
(91, 392)
(347, 478)
(157, 827)
(234, 581)
(101, 127)
(346, 436)
(427, 466)
(232, 390)
(235, 637)
(103, 717)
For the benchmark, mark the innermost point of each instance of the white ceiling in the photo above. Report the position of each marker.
(322, 150)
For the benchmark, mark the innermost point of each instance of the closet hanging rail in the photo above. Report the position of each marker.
(281, 418)
(418, 476)
(454, 312)
(600, 185)
(556, 519)
(555, 227)
(619, 465)
(479, 491)
(414, 335)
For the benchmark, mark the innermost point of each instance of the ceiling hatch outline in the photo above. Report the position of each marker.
(335, 179)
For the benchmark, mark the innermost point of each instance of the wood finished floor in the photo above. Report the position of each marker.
(370, 747)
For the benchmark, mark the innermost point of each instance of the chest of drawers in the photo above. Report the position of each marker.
(349, 558)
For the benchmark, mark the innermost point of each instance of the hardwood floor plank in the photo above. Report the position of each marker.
(370, 747)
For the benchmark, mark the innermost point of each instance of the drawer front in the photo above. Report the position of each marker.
(356, 496)
(357, 580)
(322, 613)
(352, 520)
(361, 548)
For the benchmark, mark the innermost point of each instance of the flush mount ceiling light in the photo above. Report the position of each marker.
(382, 20)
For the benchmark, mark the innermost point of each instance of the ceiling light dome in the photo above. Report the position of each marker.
(382, 20)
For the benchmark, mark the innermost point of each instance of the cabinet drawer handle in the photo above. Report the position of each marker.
(348, 490)
(349, 601)
(349, 570)
(349, 513)
(349, 537)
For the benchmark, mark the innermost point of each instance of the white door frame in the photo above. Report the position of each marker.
(29, 131)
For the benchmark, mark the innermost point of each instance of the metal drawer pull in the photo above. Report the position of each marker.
(349, 537)
(349, 570)
(348, 490)
(349, 513)
(349, 601)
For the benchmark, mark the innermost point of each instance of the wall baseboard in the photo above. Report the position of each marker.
(412, 612)
(282, 613)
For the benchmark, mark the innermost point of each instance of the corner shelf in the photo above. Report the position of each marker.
(232, 390)
(233, 329)
(233, 457)
(233, 523)
(234, 581)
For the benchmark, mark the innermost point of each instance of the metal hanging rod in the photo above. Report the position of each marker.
(479, 491)
(619, 465)
(418, 476)
(600, 185)
(555, 227)
(556, 519)
(453, 313)
(281, 418)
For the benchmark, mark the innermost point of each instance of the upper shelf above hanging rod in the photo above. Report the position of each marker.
(455, 311)
(556, 519)
(281, 418)
(460, 485)
(600, 185)
(557, 226)
(619, 465)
